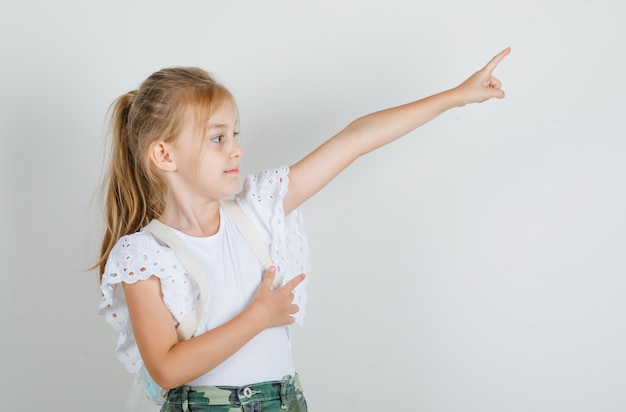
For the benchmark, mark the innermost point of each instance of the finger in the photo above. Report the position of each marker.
(492, 82)
(295, 281)
(493, 63)
(498, 93)
(270, 274)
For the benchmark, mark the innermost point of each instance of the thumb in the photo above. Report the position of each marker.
(270, 275)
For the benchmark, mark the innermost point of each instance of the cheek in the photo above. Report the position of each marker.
(209, 165)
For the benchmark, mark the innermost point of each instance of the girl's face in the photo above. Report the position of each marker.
(208, 165)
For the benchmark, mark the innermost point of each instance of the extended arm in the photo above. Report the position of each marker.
(374, 130)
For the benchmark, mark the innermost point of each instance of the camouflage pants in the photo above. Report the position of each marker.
(276, 396)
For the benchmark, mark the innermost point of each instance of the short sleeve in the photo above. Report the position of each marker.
(137, 257)
(262, 200)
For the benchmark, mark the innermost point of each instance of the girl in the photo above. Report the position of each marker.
(174, 156)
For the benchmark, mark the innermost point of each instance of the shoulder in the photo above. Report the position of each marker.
(138, 256)
(262, 195)
(266, 185)
(263, 192)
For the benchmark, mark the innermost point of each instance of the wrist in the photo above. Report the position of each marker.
(455, 97)
(256, 316)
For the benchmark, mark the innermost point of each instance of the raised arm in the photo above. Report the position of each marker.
(367, 133)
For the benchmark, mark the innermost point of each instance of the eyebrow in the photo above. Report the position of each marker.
(217, 126)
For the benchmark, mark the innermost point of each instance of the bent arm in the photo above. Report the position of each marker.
(375, 130)
(169, 362)
(172, 363)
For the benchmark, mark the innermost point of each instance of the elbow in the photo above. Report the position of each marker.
(353, 140)
(172, 374)
(164, 377)
(167, 384)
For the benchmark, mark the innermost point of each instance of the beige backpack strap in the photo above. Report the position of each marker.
(250, 234)
(187, 327)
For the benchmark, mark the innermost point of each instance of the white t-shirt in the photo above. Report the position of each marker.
(234, 275)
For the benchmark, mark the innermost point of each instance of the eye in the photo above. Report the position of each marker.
(218, 139)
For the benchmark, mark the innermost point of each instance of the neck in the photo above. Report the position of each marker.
(194, 220)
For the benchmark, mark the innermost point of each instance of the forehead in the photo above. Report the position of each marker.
(202, 117)
(223, 115)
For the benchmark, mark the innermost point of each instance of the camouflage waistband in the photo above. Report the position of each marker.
(235, 395)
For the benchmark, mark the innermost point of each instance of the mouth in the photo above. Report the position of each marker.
(234, 171)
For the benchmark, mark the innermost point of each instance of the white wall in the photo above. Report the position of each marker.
(476, 265)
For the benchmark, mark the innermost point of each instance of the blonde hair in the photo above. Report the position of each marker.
(157, 111)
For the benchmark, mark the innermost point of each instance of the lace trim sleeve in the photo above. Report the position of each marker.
(262, 200)
(137, 257)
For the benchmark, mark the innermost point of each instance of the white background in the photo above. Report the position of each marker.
(475, 265)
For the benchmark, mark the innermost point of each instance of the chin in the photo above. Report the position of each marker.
(233, 191)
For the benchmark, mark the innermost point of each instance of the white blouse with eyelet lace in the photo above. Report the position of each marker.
(138, 256)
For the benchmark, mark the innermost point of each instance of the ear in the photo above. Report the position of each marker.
(161, 157)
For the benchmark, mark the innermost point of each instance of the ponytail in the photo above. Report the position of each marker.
(124, 202)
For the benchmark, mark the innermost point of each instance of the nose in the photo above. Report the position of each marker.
(235, 150)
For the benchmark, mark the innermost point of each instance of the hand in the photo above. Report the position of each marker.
(275, 306)
(482, 85)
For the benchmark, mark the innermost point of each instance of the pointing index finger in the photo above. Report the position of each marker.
(295, 281)
(497, 59)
